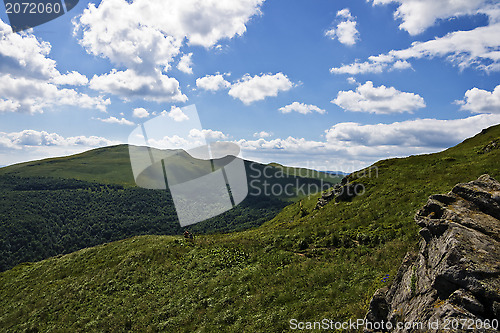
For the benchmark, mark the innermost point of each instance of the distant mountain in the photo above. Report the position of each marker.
(337, 173)
(303, 265)
(111, 165)
(61, 205)
(332, 176)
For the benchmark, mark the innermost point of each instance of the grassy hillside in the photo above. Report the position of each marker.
(68, 209)
(305, 264)
(109, 165)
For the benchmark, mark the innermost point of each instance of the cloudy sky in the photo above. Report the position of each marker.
(326, 84)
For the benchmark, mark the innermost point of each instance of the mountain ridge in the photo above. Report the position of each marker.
(115, 168)
(306, 263)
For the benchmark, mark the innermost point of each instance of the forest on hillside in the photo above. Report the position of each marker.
(43, 217)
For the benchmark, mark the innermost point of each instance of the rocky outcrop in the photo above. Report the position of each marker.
(495, 144)
(344, 191)
(453, 283)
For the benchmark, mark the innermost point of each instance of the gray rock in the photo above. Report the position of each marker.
(456, 273)
(344, 191)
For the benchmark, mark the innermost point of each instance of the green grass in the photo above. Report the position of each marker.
(305, 264)
(109, 165)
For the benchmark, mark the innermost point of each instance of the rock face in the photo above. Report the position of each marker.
(344, 191)
(454, 280)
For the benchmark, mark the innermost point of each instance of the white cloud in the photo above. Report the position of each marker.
(132, 34)
(173, 142)
(176, 114)
(119, 31)
(71, 78)
(251, 89)
(201, 22)
(114, 120)
(418, 15)
(35, 96)
(127, 84)
(29, 79)
(430, 133)
(378, 100)
(207, 134)
(401, 64)
(351, 80)
(351, 146)
(30, 138)
(29, 145)
(301, 108)
(140, 113)
(345, 13)
(345, 30)
(262, 134)
(289, 144)
(481, 101)
(22, 54)
(195, 139)
(477, 48)
(185, 64)
(359, 68)
(212, 82)
(7, 105)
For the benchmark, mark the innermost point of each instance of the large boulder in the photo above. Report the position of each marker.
(454, 280)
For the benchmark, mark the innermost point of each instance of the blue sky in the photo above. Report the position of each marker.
(325, 84)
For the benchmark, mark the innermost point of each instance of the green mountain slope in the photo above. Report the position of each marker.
(306, 264)
(111, 165)
(61, 205)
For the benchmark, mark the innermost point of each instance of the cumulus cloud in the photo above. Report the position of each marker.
(176, 114)
(214, 19)
(173, 142)
(430, 133)
(140, 113)
(35, 96)
(131, 34)
(289, 144)
(476, 48)
(301, 108)
(31, 138)
(71, 78)
(29, 80)
(185, 64)
(262, 134)
(207, 134)
(251, 89)
(194, 139)
(378, 100)
(128, 84)
(359, 68)
(345, 31)
(418, 15)
(22, 54)
(212, 82)
(350, 146)
(29, 145)
(481, 101)
(114, 120)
